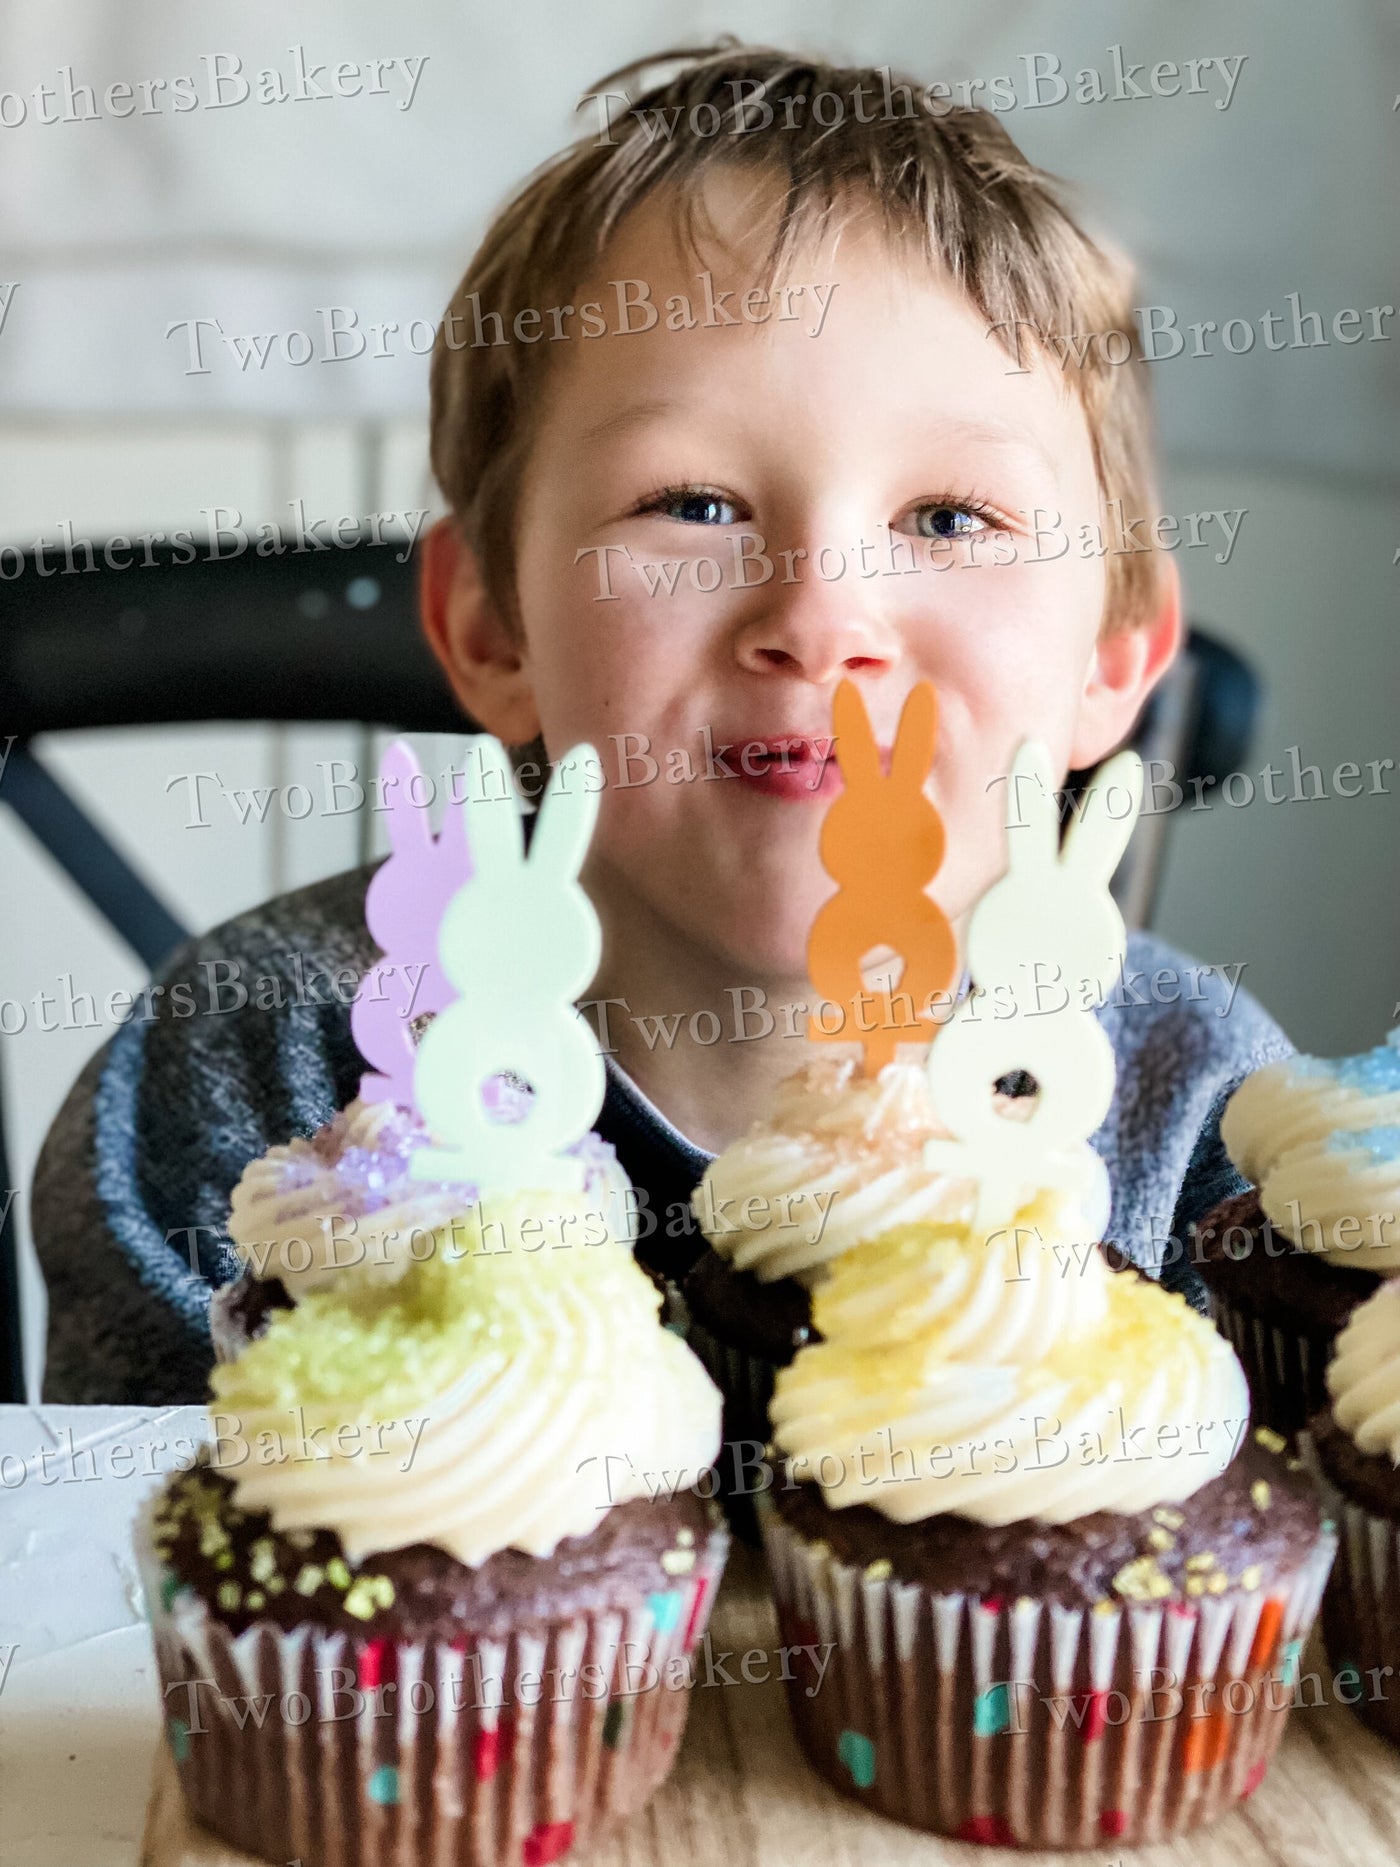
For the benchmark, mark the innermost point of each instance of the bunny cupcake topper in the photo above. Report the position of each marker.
(404, 903)
(519, 942)
(1050, 935)
(505, 942)
(881, 842)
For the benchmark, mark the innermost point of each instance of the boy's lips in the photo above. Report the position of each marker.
(788, 766)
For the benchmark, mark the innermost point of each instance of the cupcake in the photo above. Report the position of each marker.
(1286, 1263)
(1353, 1448)
(344, 1201)
(429, 1594)
(839, 1159)
(1062, 1587)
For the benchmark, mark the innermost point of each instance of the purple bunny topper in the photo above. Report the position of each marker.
(404, 905)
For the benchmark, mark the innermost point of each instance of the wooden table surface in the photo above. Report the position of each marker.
(741, 1794)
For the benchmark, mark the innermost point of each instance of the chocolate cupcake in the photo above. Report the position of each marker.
(431, 1592)
(1280, 1308)
(1061, 1589)
(1353, 1448)
(839, 1159)
(1286, 1264)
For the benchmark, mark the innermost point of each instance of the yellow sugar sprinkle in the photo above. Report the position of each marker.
(1205, 1560)
(678, 1561)
(1142, 1580)
(230, 1594)
(275, 1585)
(358, 1600)
(224, 1559)
(255, 1598)
(1105, 1607)
(1269, 1439)
(1161, 1539)
(1251, 1577)
(1195, 1585)
(336, 1572)
(880, 1571)
(1217, 1583)
(309, 1579)
(685, 1538)
(1169, 1519)
(1261, 1493)
(262, 1560)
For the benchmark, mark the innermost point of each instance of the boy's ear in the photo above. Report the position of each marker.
(1126, 666)
(484, 661)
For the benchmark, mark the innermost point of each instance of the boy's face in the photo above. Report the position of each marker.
(656, 450)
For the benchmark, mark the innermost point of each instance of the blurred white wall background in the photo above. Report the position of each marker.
(260, 215)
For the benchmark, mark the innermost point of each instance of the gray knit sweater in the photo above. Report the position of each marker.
(248, 1043)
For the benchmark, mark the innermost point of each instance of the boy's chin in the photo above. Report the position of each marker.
(762, 946)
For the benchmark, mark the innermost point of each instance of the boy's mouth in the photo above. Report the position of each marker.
(789, 767)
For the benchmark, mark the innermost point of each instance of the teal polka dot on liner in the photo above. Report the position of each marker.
(171, 1588)
(991, 1711)
(179, 1734)
(665, 1609)
(857, 1752)
(383, 1786)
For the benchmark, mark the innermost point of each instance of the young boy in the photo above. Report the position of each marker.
(750, 391)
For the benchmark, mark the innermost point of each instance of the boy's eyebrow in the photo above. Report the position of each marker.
(632, 415)
(989, 433)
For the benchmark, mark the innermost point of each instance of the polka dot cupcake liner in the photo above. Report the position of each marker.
(1030, 1724)
(1361, 1608)
(336, 1749)
(1284, 1367)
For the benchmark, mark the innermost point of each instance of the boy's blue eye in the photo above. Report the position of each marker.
(947, 521)
(695, 507)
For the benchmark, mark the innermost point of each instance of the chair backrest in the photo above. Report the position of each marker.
(304, 636)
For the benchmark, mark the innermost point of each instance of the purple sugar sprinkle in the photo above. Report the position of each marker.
(370, 1178)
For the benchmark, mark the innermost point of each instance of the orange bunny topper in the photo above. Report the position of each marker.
(881, 843)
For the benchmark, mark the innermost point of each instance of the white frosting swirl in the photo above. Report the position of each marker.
(514, 1399)
(1363, 1377)
(1320, 1138)
(838, 1160)
(344, 1200)
(1016, 1377)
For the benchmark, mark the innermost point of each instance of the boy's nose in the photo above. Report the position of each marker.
(817, 634)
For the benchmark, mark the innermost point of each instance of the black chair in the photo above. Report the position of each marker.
(335, 637)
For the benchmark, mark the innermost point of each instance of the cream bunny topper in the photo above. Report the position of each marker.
(519, 941)
(1049, 937)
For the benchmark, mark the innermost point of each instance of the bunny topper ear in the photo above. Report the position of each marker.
(1032, 830)
(408, 825)
(495, 835)
(1094, 845)
(914, 738)
(565, 822)
(856, 751)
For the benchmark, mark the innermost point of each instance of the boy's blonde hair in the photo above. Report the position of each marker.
(953, 182)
